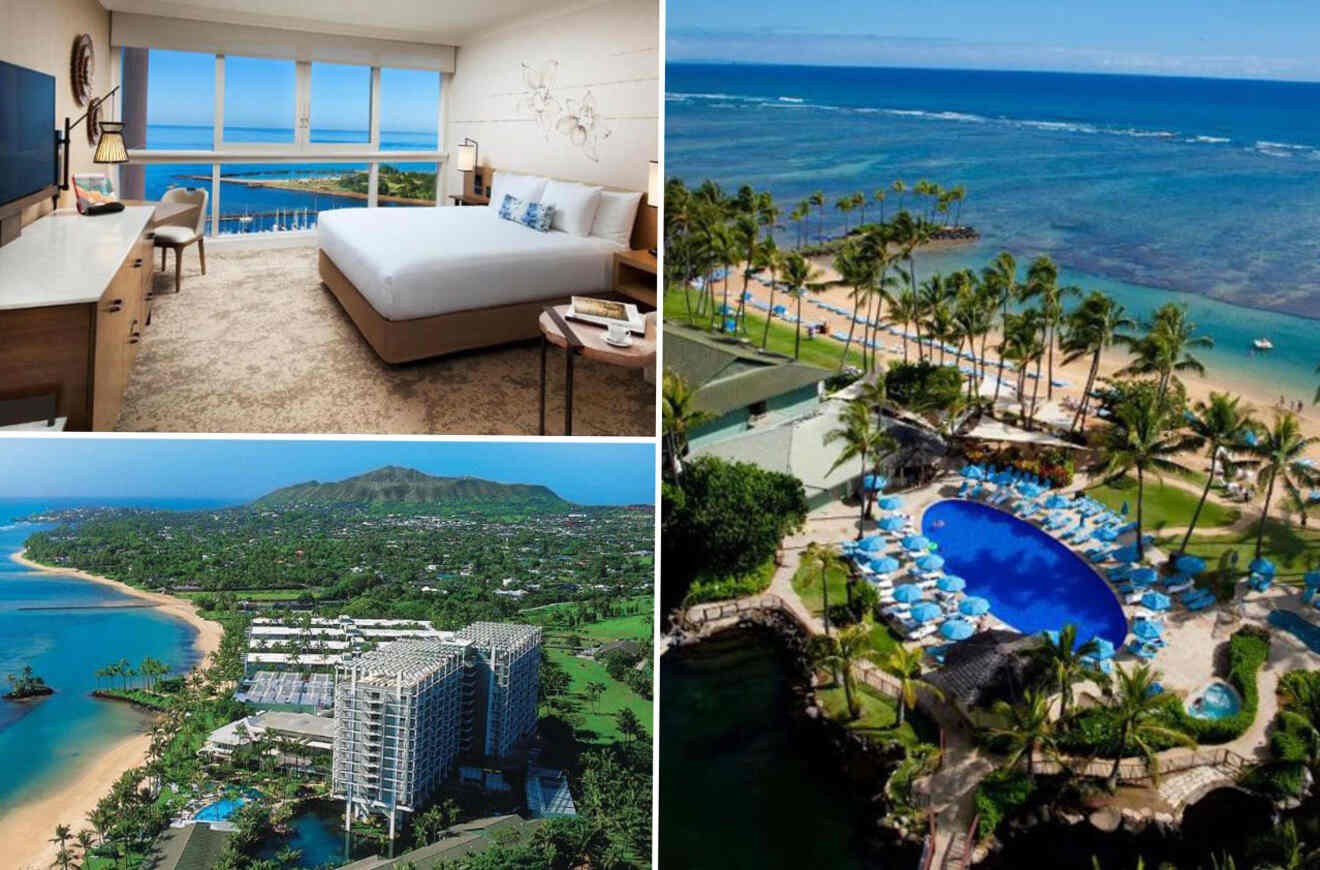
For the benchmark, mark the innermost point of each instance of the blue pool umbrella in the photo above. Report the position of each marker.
(1262, 565)
(1189, 564)
(973, 472)
(1156, 600)
(1057, 501)
(1108, 533)
(1104, 649)
(872, 543)
(1143, 576)
(908, 593)
(892, 523)
(1052, 635)
(884, 564)
(1312, 579)
(951, 583)
(957, 629)
(874, 482)
(1251, 438)
(1146, 629)
(779, 309)
(730, 324)
(930, 562)
(926, 611)
(973, 606)
(1126, 554)
(917, 542)
(889, 503)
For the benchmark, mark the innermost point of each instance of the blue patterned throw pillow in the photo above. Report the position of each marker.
(530, 214)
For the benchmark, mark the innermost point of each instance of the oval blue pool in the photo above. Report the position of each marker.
(1032, 581)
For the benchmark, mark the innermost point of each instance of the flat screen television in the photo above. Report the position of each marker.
(27, 132)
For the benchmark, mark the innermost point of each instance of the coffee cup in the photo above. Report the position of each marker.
(618, 333)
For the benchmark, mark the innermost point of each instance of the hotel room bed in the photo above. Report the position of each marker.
(411, 263)
(422, 282)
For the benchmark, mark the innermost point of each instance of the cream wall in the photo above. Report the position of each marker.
(39, 34)
(610, 49)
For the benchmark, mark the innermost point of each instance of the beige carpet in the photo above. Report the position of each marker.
(258, 345)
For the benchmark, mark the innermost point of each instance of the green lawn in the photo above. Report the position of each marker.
(806, 583)
(1166, 505)
(704, 589)
(599, 725)
(1293, 549)
(879, 715)
(821, 351)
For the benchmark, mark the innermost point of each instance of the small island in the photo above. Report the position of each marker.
(27, 685)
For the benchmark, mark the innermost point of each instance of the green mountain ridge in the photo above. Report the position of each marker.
(394, 485)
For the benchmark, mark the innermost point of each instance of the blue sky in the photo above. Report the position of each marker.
(241, 469)
(259, 92)
(1219, 38)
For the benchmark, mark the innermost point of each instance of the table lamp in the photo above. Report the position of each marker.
(467, 162)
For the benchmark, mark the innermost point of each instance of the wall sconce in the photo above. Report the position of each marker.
(109, 147)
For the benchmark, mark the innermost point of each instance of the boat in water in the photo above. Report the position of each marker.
(1262, 344)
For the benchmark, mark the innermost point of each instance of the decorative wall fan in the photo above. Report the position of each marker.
(82, 71)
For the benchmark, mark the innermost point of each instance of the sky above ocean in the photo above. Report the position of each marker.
(240, 469)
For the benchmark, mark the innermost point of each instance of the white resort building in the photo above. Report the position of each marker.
(405, 712)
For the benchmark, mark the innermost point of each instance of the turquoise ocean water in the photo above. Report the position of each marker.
(43, 742)
(1152, 189)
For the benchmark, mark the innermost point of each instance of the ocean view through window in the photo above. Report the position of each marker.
(314, 120)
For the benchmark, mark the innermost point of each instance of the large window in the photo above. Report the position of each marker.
(289, 139)
(260, 100)
(180, 101)
(409, 106)
(340, 103)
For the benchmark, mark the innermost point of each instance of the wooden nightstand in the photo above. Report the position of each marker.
(468, 199)
(634, 276)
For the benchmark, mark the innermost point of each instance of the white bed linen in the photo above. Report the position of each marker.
(418, 262)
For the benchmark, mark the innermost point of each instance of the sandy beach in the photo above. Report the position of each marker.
(25, 831)
(1260, 396)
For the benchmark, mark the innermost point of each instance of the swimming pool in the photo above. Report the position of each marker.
(218, 811)
(1293, 623)
(1032, 581)
(1218, 700)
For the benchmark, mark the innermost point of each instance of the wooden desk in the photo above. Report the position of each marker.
(635, 276)
(588, 340)
(73, 304)
(468, 199)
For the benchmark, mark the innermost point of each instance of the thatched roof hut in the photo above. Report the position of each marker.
(989, 666)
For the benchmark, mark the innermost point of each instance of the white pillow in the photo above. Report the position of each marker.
(575, 205)
(614, 216)
(525, 187)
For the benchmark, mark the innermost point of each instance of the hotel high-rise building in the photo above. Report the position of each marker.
(407, 710)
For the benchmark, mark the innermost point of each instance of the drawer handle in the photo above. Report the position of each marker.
(113, 309)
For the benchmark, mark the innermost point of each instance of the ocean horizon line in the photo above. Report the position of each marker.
(724, 62)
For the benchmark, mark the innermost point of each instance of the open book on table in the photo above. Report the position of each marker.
(604, 312)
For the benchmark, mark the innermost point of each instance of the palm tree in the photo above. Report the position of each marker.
(858, 272)
(905, 663)
(1095, 325)
(817, 555)
(843, 651)
(798, 274)
(1043, 285)
(1142, 438)
(879, 196)
(899, 188)
(1064, 657)
(1166, 347)
(1000, 280)
(862, 440)
(1138, 714)
(1284, 849)
(1278, 452)
(1221, 424)
(859, 202)
(747, 235)
(906, 308)
(769, 257)
(1027, 729)
(818, 199)
(845, 204)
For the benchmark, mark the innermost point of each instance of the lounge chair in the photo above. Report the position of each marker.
(1202, 604)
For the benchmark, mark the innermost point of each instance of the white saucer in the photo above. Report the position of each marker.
(627, 342)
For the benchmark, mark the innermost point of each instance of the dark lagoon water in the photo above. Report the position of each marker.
(42, 742)
(736, 789)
